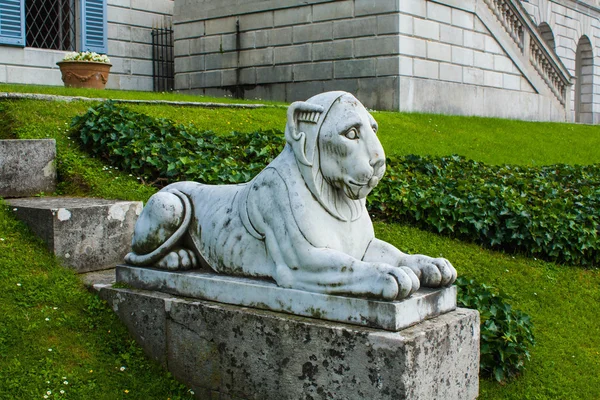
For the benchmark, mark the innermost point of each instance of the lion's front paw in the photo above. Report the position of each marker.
(395, 283)
(178, 259)
(432, 272)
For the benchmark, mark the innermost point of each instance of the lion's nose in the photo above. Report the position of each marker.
(377, 162)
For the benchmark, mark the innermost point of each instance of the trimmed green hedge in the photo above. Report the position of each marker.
(549, 212)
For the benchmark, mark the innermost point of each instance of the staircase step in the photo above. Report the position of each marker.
(87, 234)
(27, 167)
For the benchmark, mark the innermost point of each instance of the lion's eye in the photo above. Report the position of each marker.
(352, 134)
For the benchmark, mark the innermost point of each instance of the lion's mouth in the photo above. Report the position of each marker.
(358, 190)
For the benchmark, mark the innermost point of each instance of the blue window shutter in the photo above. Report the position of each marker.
(12, 22)
(93, 26)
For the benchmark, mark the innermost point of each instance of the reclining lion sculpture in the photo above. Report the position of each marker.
(302, 221)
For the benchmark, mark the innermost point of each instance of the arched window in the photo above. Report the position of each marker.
(547, 35)
(584, 73)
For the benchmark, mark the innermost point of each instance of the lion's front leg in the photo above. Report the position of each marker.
(432, 272)
(330, 271)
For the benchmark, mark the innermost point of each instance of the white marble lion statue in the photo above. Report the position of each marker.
(302, 221)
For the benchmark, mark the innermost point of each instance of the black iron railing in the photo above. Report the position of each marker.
(163, 65)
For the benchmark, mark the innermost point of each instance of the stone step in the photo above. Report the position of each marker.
(27, 167)
(87, 234)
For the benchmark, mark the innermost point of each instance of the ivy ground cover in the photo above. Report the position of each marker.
(562, 301)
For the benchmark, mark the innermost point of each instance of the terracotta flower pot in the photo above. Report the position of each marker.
(84, 74)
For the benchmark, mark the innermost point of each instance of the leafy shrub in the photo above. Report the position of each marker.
(548, 212)
(160, 151)
(506, 334)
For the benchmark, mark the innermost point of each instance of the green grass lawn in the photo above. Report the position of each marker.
(122, 94)
(564, 301)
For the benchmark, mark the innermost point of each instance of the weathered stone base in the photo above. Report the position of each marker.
(224, 351)
(87, 234)
(27, 167)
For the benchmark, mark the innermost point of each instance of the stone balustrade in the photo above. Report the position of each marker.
(524, 34)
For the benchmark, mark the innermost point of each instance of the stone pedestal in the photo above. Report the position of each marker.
(233, 352)
(27, 167)
(266, 295)
(87, 234)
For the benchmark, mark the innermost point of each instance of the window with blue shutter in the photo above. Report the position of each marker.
(12, 22)
(93, 26)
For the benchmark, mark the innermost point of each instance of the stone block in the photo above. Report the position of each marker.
(248, 76)
(313, 33)
(292, 54)
(220, 25)
(249, 22)
(355, 27)
(354, 68)
(427, 29)
(451, 72)
(452, 35)
(483, 60)
(370, 7)
(229, 77)
(221, 60)
(280, 36)
(293, 16)
(27, 167)
(406, 24)
(280, 73)
(388, 66)
(427, 69)
(503, 64)
(439, 51)
(257, 57)
(462, 56)
(406, 66)
(472, 76)
(414, 7)
(87, 234)
(474, 40)
(333, 50)
(491, 78)
(413, 46)
(333, 10)
(213, 78)
(388, 24)
(236, 352)
(313, 71)
(377, 46)
(439, 12)
(196, 80)
(463, 19)
(513, 82)
(188, 30)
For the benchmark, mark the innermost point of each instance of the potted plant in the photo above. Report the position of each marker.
(85, 69)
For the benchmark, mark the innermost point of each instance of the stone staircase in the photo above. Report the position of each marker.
(511, 25)
(86, 234)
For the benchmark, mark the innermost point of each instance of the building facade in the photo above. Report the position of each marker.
(35, 34)
(526, 59)
(531, 59)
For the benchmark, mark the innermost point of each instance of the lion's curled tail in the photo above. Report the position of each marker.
(164, 249)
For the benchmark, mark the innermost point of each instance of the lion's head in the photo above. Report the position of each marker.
(337, 151)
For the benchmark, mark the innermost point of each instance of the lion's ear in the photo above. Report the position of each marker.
(300, 111)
